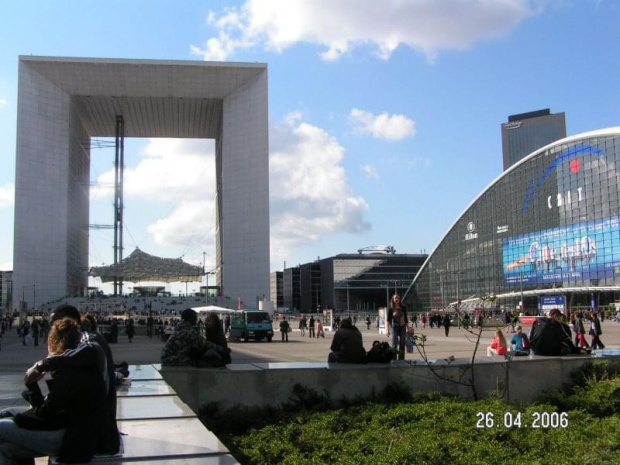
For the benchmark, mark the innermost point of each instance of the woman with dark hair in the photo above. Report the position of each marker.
(217, 353)
(67, 422)
(214, 330)
(397, 325)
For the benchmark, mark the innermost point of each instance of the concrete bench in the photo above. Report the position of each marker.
(157, 427)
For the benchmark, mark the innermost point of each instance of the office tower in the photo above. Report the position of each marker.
(526, 132)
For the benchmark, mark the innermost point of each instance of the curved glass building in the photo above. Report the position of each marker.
(546, 232)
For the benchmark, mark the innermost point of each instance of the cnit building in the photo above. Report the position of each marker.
(546, 233)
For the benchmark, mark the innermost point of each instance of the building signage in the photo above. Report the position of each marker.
(502, 229)
(551, 302)
(471, 231)
(572, 157)
(567, 198)
(574, 253)
(513, 125)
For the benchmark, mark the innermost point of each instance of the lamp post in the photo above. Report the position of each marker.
(443, 299)
(521, 286)
(387, 295)
(348, 306)
(458, 284)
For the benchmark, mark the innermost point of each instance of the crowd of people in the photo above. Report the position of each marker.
(77, 418)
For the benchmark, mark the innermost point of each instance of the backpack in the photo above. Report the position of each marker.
(380, 352)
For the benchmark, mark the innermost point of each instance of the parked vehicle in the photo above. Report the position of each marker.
(251, 324)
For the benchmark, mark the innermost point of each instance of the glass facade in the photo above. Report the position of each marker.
(548, 226)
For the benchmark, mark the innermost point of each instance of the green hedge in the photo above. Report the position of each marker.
(430, 429)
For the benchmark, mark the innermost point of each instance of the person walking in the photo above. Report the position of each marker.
(130, 330)
(397, 325)
(580, 331)
(284, 329)
(34, 329)
(311, 327)
(303, 323)
(446, 324)
(596, 331)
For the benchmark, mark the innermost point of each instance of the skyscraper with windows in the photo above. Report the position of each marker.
(526, 132)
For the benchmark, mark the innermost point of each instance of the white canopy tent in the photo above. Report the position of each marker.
(214, 309)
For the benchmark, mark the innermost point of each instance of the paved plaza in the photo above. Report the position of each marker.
(15, 358)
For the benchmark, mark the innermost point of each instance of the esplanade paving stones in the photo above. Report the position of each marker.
(15, 358)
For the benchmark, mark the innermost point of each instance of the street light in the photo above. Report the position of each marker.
(348, 306)
(521, 286)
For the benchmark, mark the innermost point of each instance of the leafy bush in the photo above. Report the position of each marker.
(394, 427)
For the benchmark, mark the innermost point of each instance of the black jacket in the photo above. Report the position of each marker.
(348, 346)
(83, 356)
(76, 401)
(550, 337)
(390, 315)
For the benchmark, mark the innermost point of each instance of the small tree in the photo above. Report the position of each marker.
(474, 335)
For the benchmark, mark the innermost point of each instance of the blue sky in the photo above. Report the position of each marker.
(384, 116)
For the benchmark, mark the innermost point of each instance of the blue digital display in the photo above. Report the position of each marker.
(583, 251)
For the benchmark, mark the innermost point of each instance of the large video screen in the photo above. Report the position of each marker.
(575, 253)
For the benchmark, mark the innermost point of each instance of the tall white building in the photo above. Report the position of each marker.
(63, 102)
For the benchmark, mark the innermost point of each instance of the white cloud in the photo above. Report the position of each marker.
(3, 103)
(7, 195)
(308, 188)
(383, 126)
(370, 171)
(6, 266)
(340, 26)
(310, 196)
(177, 172)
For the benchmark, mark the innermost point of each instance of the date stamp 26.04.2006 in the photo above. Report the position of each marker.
(522, 420)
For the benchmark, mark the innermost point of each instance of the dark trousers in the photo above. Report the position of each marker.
(596, 342)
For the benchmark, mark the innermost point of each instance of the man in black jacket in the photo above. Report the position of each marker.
(109, 442)
(551, 336)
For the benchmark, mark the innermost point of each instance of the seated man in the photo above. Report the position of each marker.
(81, 358)
(347, 345)
(551, 336)
(187, 347)
(69, 421)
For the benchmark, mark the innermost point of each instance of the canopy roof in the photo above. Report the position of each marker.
(140, 266)
(214, 309)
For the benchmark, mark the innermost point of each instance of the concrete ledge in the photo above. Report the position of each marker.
(261, 385)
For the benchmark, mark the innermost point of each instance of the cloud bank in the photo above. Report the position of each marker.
(309, 194)
(427, 26)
